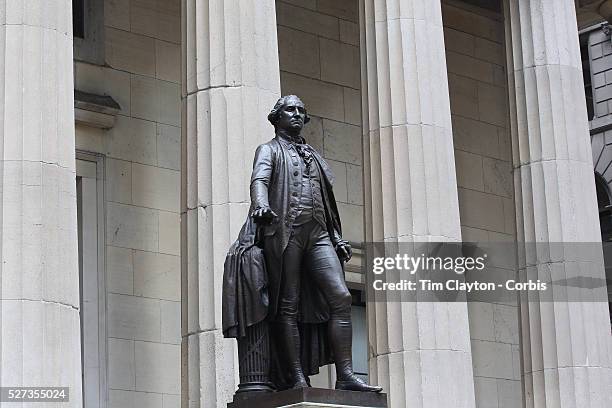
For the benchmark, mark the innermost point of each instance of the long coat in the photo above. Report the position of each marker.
(276, 183)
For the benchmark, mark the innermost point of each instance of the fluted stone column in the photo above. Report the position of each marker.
(565, 347)
(231, 81)
(39, 298)
(421, 352)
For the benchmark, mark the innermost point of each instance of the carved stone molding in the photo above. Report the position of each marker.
(93, 110)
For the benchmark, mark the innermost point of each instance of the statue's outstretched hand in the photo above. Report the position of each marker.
(263, 215)
(344, 250)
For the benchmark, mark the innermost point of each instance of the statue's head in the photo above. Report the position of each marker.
(289, 114)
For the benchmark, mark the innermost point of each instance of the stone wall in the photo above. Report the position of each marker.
(476, 60)
(318, 45)
(600, 59)
(600, 55)
(142, 198)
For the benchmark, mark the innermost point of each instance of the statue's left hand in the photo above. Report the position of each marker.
(344, 251)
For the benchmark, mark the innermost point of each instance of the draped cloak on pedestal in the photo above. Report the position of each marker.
(252, 278)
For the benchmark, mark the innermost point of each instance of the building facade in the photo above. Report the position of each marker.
(129, 128)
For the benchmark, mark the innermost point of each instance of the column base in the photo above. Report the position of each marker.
(310, 398)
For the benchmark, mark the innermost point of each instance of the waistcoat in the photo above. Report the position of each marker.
(310, 202)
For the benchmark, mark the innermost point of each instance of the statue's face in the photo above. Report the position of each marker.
(292, 116)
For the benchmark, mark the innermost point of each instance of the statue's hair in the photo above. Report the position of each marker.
(274, 114)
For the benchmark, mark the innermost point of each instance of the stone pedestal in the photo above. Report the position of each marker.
(420, 352)
(311, 398)
(39, 273)
(565, 346)
(230, 83)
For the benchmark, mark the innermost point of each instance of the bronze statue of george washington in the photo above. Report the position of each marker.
(287, 265)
